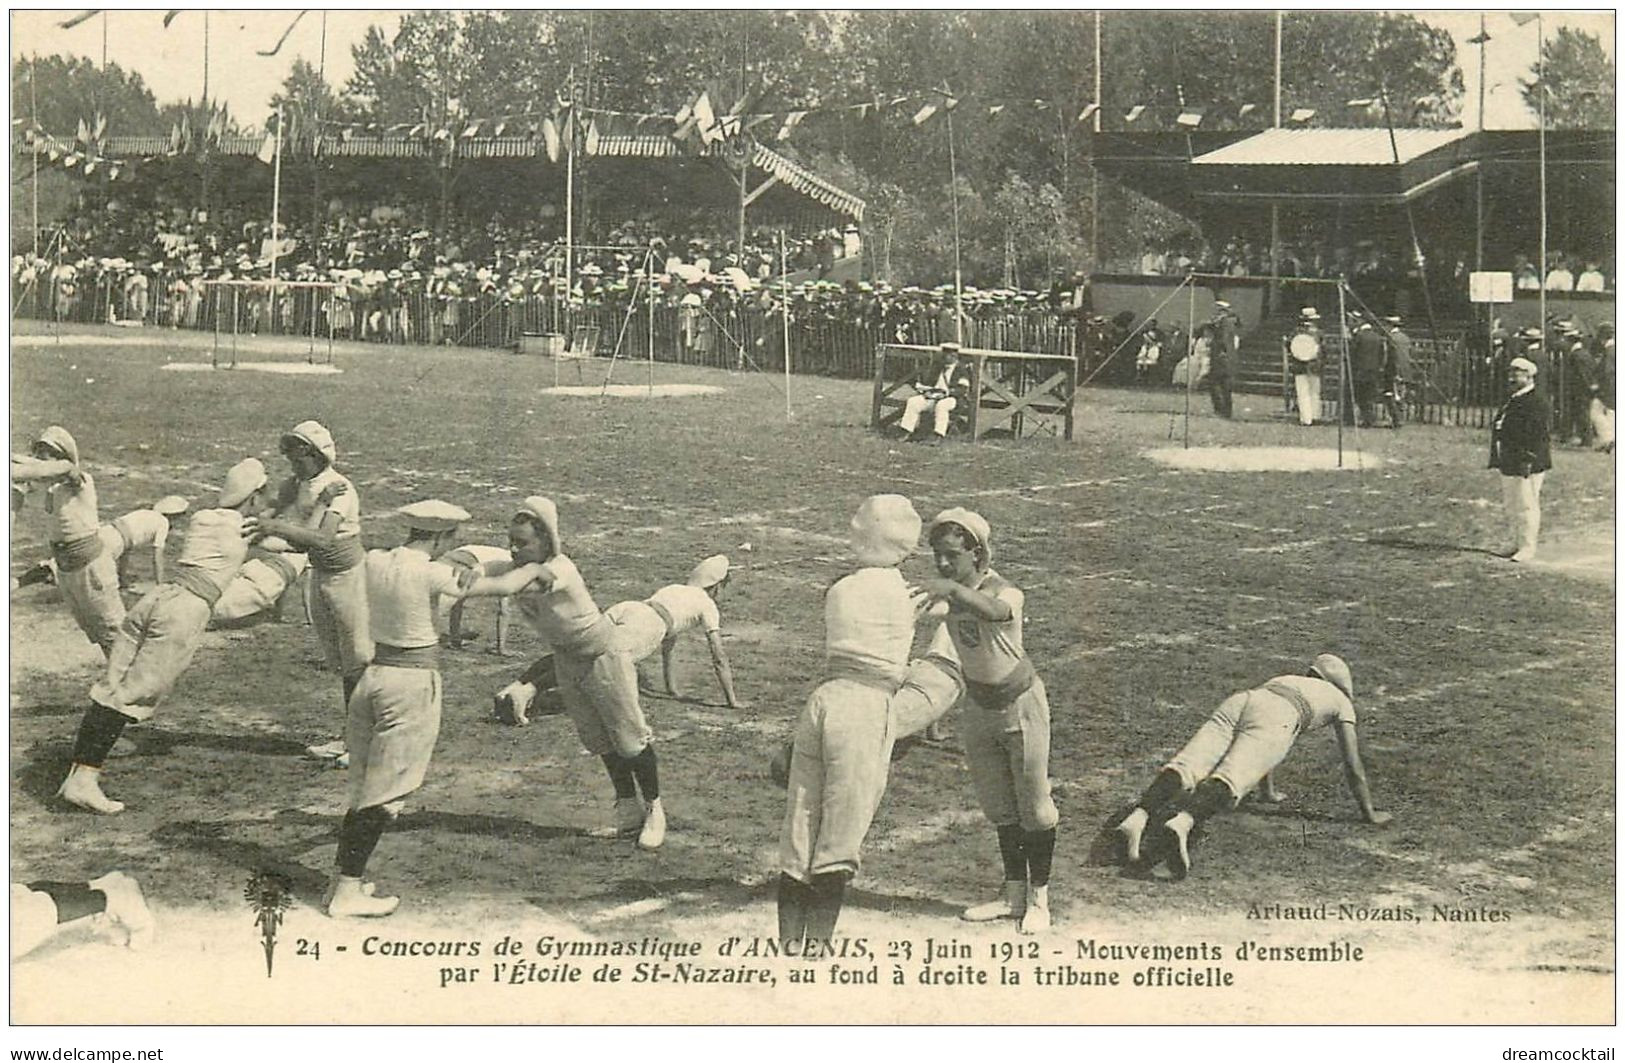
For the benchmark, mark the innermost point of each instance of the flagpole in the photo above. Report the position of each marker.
(569, 200)
(276, 197)
(1094, 172)
(1540, 79)
(953, 179)
(208, 115)
(784, 315)
(33, 155)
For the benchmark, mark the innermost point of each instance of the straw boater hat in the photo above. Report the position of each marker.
(1524, 364)
(1309, 313)
(433, 515)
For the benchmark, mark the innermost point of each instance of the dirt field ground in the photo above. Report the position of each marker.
(1486, 697)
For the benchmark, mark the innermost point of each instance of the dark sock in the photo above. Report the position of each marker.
(98, 731)
(1211, 798)
(828, 893)
(1012, 849)
(792, 911)
(1040, 854)
(74, 900)
(40, 573)
(1163, 789)
(541, 675)
(358, 837)
(620, 776)
(647, 772)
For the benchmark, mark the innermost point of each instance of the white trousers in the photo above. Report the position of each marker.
(1521, 496)
(1307, 388)
(942, 410)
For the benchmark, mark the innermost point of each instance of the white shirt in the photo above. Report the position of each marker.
(989, 650)
(73, 508)
(688, 607)
(1560, 280)
(1591, 281)
(869, 623)
(564, 613)
(402, 586)
(214, 545)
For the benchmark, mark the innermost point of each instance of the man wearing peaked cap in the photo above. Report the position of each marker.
(1006, 717)
(592, 663)
(844, 735)
(1239, 748)
(394, 710)
(156, 643)
(318, 511)
(1521, 451)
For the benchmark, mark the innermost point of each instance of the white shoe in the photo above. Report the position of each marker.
(653, 834)
(329, 750)
(1524, 555)
(1013, 905)
(1035, 920)
(1179, 828)
(126, 907)
(629, 816)
(1133, 829)
(83, 788)
(351, 897)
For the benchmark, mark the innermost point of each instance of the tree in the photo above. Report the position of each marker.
(1579, 80)
(1223, 61)
(66, 89)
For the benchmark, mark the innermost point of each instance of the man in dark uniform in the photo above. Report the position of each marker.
(1365, 363)
(1221, 358)
(1579, 378)
(1521, 450)
(1396, 370)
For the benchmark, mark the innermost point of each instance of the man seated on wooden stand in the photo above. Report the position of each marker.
(939, 390)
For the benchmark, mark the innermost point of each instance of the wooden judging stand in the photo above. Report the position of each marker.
(1020, 393)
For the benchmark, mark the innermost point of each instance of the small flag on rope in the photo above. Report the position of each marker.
(1246, 109)
(997, 108)
(1134, 112)
(923, 115)
(1190, 118)
(500, 128)
(791, 120)
(268, 148)
(550, 138)
(473, 130)
(592, 137)
(1363, 102)
(1088, 112)
(1302, 114)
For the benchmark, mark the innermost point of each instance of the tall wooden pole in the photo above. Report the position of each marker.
(953, 178)
(784, 316)
(276, 201)
(1094, 171)
(208, 116)
(1275, 208)
(1540, 80)
(1478, 254)
(33, 114)
(316, 211)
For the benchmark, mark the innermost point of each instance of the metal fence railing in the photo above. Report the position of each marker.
(1451, 383)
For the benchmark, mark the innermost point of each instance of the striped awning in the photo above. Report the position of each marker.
(615, 145)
